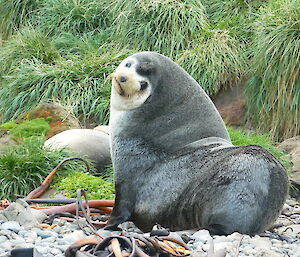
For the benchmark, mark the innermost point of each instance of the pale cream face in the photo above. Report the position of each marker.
(129, 89)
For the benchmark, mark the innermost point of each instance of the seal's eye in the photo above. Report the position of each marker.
(128, 65)
(144, 85)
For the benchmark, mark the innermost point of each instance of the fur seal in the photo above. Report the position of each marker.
(173, 159)
(93, 144)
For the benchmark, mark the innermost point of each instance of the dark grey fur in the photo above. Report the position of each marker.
(175, 165)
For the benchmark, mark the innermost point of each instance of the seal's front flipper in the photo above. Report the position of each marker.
(121, 213)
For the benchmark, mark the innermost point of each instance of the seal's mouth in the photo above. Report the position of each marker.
(118, 87)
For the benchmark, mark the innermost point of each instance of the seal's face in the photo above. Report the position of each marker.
(131, 86)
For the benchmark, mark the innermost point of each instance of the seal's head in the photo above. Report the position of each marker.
(131, 86)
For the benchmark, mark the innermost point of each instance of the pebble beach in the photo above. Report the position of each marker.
(282, 240)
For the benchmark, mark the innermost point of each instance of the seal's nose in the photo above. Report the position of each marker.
(123, 79)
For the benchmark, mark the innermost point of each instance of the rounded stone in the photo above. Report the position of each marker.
(3, 239)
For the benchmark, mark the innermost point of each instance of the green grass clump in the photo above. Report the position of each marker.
(165, 26)
(84, 45)
(273, 92)
(35, 127)
(26, 44)
(237, 16)
(241, 137)
(215, 61)
(75, 16)
(14, 14)
(95, 187)
(23, 167)
(79, 82)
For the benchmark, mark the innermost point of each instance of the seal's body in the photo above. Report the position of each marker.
(174, 162)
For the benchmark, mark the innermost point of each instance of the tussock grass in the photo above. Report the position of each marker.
(24, 166)
(75, 16)
(14, 14)
(274, 88)
(79, 82)
(26, 44)
(237, 16)
(165, 26)
(84, 46)
(215, 60)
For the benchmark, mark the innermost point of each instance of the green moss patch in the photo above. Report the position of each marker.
(35, 127)
(95, 187)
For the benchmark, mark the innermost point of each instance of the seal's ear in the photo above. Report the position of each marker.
(145, 68)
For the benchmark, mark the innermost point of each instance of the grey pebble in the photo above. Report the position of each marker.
(18, 240)
(42, 249)
(59, 222)
(220, 239)
(2, 218)
(24, 245)
(62, 242)
(63, 248)
(49, 240)
(6, 233)
(201, 236)
(76, 235)
(57, 229)
(56, 251)
(3, 239)
(11, 225)
(6, 245)
(46, 234)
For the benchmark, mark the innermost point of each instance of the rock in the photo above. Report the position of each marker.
(91, 143)
(6, 245)
(50, 239)
(27, 219)
(18, 241)
(3, 239)
(2, 217)
(42, 250)
(231, 103)
(12, 211)
(261, 243)
(45, 233)
(102, 128)
(59, 118)
(292, 147)
(76, 235)
(11, 225)
(290, 230)
(290, 144)
(24, 245)
(11, 215)
(38, 214)
(56, 251)
(234, 236)
(22, 202)
(202, 236)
